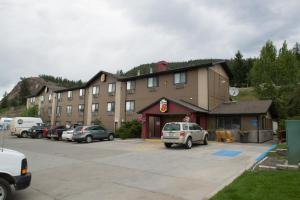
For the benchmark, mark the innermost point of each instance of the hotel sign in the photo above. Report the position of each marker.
(163, 106)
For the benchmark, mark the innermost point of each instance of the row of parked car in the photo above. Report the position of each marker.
(35, 128)
(74, 132)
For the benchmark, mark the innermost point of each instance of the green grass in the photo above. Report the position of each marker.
(246, 94)
(263, 185)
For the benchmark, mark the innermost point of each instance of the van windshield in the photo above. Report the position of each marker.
(172, 127)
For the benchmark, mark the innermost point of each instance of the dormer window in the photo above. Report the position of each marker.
(58, 96)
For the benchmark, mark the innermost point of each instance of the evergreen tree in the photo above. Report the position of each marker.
(240, 68)
(4, 101)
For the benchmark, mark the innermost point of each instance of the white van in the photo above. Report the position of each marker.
(20, 126)
(4, 122)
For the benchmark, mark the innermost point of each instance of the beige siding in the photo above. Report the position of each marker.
(203, 88)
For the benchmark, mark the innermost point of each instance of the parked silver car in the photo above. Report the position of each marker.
(90, 133)
(183, 133)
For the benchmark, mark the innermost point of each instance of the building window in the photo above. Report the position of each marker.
(111, 88)
(111, 107)
(180, 78)
(130, 86)
(81, 108)
(95, 107)
(42, 98)
(70, 95)
(57, 123)
(32, 100)
(153, 82)
(58, 96)
(130, 106)
(95, 91)
(230, 122)
(49, 111)
(69, 109)
(58, 110)
(81, 92)
(50, 97)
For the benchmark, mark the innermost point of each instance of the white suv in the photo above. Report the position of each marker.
(183, 133)
(13, 171)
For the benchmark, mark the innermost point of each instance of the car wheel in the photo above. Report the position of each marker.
(205, 141)
(24, 134)
(168, 145)
(89, 139)
(189, 143)
(5, 190)
(39, 136)
(111, 137)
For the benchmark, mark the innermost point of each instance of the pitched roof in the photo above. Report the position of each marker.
(243, 107)
(50, 85)
(177, 67)
(178, 102)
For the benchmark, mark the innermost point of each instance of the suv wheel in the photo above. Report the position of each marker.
(168, 145)
(189, 143)
(111, 137)
(39, 136)
(5, 190)
(205, 141)
(89, 139)
(24, 134)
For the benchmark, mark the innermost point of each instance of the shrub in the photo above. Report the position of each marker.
(130, 129)
(31, 112)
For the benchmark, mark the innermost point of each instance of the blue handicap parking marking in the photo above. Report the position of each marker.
(227, 153)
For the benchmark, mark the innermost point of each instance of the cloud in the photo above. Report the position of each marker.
(77, 39)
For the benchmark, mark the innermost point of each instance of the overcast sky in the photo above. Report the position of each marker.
(77, 38)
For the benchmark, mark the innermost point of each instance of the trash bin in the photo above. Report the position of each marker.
(293, 141)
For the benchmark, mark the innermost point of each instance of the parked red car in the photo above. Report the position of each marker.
(56, 132)
(45, 131)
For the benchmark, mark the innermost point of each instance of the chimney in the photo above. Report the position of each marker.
(161, 66)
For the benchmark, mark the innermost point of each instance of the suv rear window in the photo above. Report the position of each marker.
(172, 127)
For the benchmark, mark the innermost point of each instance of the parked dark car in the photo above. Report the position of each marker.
(56, 132)
(36, 131)
(90, 133)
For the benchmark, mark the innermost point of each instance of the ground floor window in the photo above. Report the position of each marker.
(229, 122)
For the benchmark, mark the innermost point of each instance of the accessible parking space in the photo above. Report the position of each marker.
(130, 169)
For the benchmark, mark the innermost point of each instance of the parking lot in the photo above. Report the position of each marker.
(130, 169)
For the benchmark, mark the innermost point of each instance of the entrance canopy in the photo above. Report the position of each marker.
(166, 110)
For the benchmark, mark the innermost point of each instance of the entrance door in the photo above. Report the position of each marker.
(157, 127)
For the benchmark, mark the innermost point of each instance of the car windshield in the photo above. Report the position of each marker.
(172, 127)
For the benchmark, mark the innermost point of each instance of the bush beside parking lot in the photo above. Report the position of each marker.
(130, 129)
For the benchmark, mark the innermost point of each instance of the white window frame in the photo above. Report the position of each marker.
(50, 97)
(81, 92)
(180, 78)
(58, 110)
(130, 106)
(70, 94)
(110, 106)
(59, 96)
(95, 107)
(95, 90)
(69, 109)
(80, 108)
(130, 85)
(111, 87)
(152, 82)
(42, 99)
